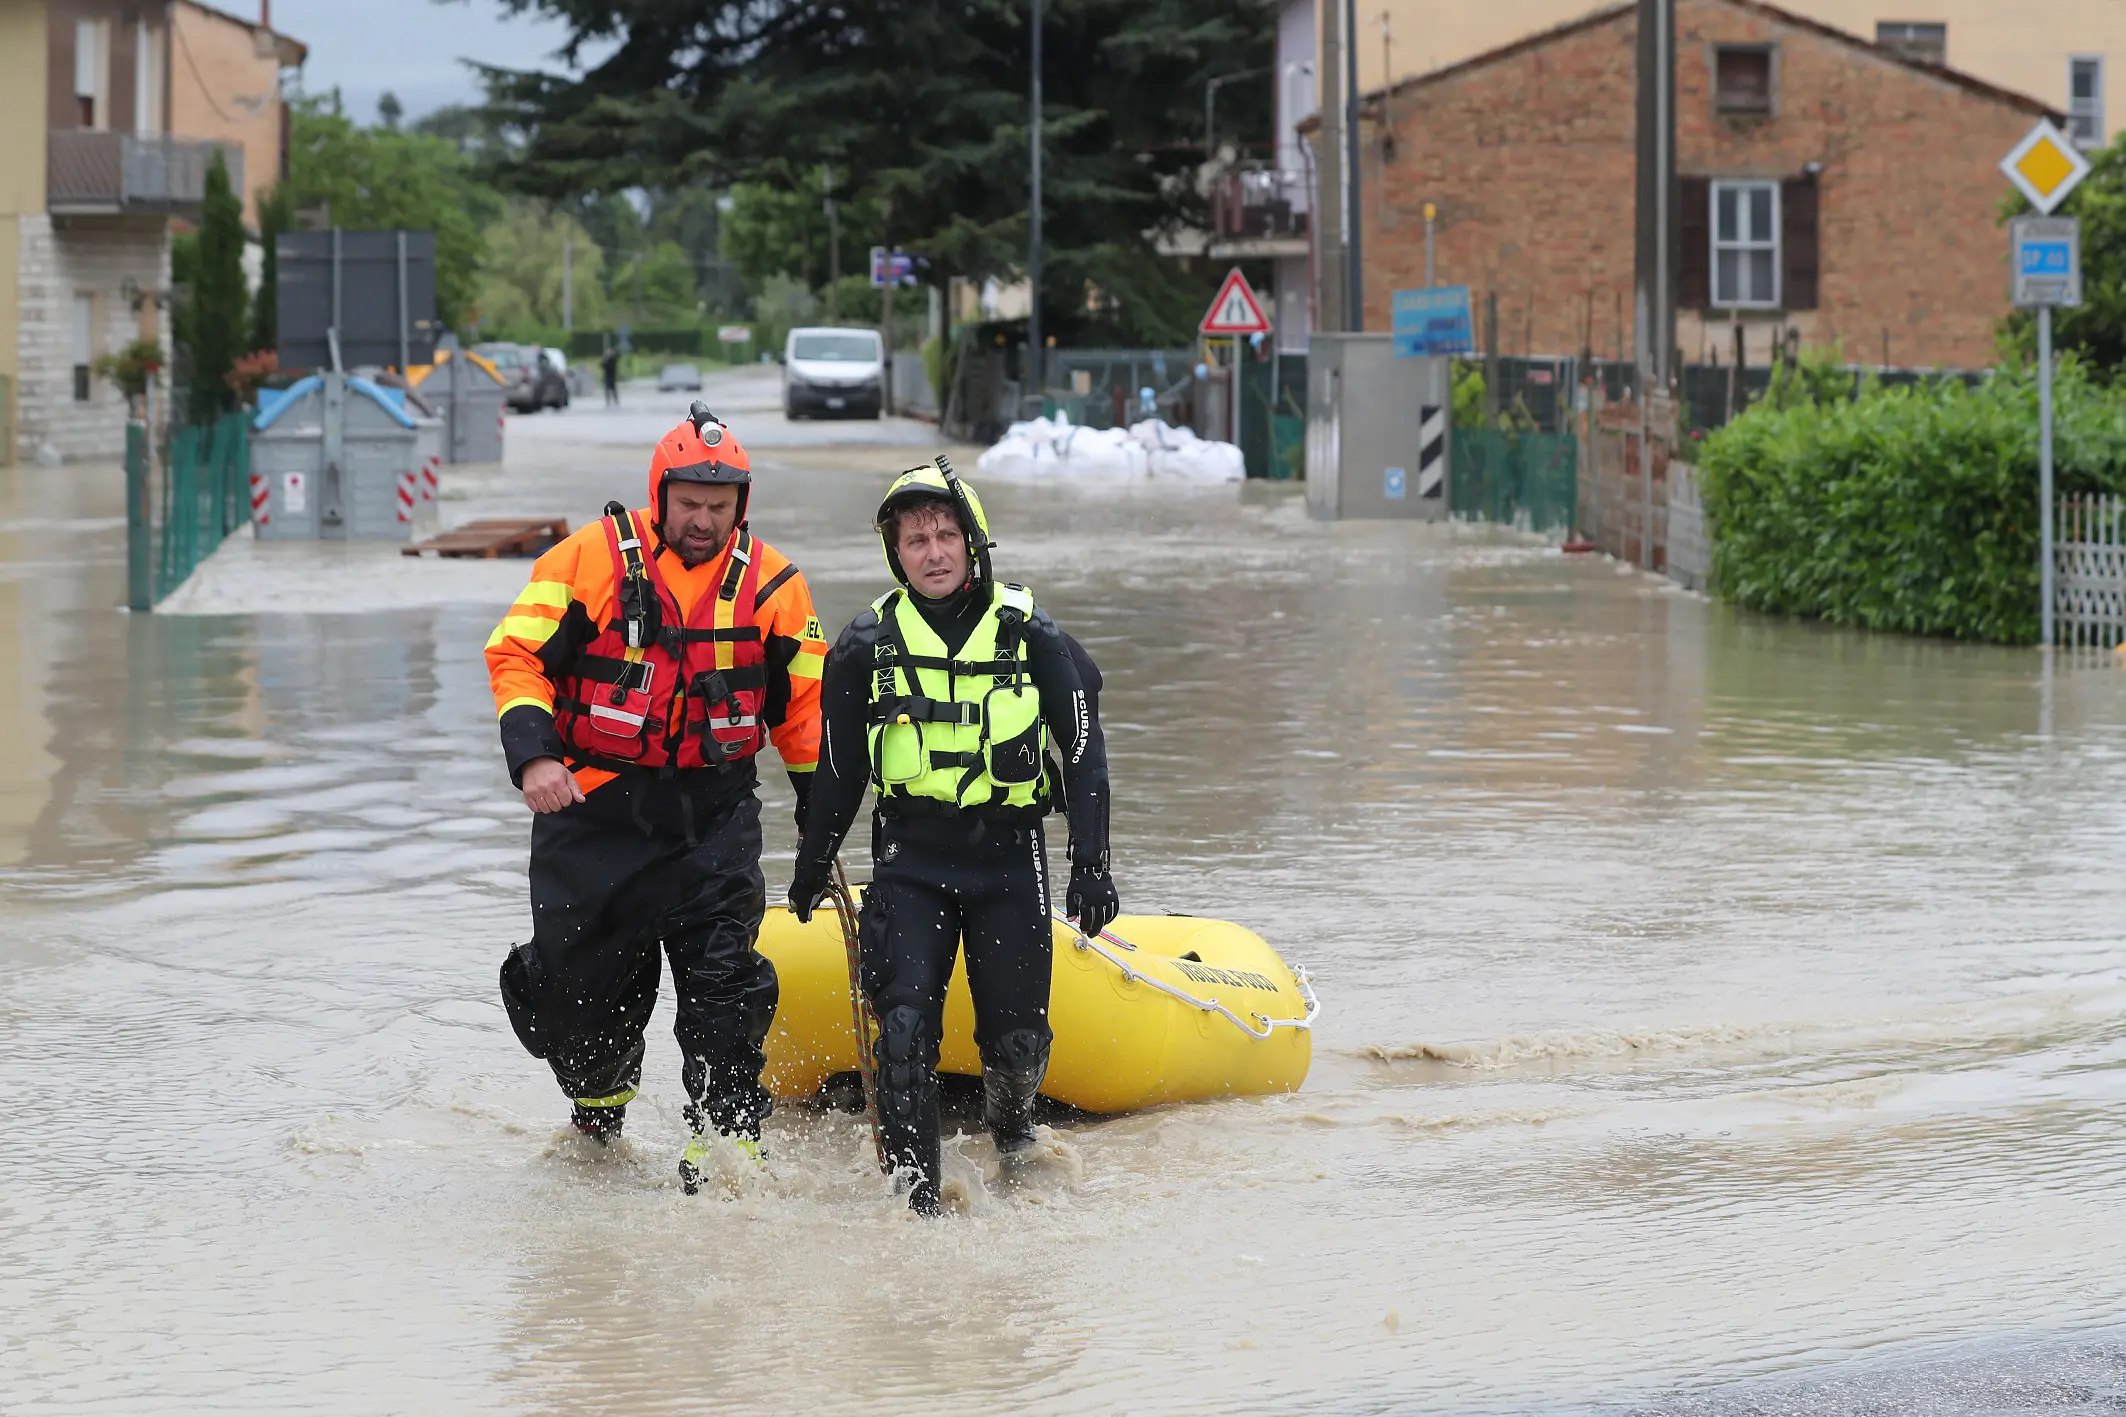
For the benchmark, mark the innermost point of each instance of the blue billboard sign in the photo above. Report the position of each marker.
(1434, 321)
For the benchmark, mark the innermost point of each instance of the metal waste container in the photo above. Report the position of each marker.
(466, 391)
(332, 458)
(1377, 430)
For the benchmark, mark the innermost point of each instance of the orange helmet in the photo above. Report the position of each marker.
(700, 449)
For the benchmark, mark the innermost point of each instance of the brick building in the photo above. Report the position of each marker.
(1827, 184)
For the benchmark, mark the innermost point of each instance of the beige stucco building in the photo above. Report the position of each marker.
(113, 111)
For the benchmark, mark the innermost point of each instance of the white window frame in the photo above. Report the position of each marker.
(2090, 110)
(1717, 246)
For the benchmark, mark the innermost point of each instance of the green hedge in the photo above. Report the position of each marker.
(1908, 509)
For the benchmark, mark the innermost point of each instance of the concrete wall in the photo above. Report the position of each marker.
(225, 85)
(1536, 200)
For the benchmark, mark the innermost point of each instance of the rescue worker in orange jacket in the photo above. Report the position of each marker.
(653, 654)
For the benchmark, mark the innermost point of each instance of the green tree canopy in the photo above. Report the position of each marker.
(924, 104)
(520, 280)
(378, 179)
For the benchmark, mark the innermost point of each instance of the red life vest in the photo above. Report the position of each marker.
(659, 690)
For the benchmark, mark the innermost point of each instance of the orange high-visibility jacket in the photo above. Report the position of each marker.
(573, 599)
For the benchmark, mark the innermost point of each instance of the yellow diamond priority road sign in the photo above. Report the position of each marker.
(2045, 167)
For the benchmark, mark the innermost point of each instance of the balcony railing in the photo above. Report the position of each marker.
(1259, 206)
(91, 172)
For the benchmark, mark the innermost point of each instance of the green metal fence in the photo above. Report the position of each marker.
(1525, 480)
(179, 507)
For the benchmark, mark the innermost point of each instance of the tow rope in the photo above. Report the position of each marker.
(1301, 980)
(862, 1014)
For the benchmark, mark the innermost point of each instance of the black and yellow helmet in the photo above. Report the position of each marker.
(933, 481)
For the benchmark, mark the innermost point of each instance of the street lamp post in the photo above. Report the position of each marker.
(1036, 365)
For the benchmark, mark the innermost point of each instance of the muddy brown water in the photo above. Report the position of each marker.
(1721, 1014)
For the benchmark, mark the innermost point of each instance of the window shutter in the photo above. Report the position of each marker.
(1798, 244)
(1694, 233)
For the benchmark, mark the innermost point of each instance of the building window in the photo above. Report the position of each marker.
(1742, 79)
(2085, 101)
(1745, 244)
(147, 79)
(91, 50)
(84, 342)
(1926, 41)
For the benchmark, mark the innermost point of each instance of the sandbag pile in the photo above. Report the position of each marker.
(1151, 450)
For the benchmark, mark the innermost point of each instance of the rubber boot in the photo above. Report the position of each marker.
(908, 1105)
(599, 1119)
(1011, 1077)
(723, 1102)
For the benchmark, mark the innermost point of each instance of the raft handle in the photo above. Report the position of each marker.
(1270, 1025)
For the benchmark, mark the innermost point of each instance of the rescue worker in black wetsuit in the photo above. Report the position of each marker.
(946, 697)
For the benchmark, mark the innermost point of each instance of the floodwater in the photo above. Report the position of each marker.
(1721, 1015)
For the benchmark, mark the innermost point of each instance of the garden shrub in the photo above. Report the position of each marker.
(1907, 509)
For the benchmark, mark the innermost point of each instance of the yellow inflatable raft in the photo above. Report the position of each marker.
(1157, 1008)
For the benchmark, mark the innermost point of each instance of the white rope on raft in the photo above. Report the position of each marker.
(1209, 1006)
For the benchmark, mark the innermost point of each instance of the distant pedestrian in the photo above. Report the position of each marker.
(609, 365)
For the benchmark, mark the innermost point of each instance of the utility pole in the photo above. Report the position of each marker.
(1354, 260)
(1654, 275)
(1036, 361)
(1327, 221)
(568, 287)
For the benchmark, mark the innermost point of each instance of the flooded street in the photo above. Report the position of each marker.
(1719, 1014)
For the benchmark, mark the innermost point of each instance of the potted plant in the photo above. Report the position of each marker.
(132, 369)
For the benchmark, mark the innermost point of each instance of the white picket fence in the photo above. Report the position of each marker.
(2089, 565)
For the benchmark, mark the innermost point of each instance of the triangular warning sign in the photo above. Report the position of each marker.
(1236, 311)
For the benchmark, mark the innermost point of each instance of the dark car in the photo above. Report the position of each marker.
(530, 381)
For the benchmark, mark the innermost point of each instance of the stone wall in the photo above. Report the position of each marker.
(58, 259)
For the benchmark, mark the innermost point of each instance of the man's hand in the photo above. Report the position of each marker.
(1092, 901)
(548, 786)
(801, 784)
(808, 887)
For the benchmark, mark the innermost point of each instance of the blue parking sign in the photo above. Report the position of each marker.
(1432, 321)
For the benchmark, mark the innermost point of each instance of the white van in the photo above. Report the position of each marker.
(830, 371)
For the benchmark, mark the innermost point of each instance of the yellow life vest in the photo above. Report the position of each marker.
(962, 729)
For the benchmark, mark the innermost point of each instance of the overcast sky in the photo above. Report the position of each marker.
(411, 47)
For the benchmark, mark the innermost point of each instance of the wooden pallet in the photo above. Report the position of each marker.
(494, 536)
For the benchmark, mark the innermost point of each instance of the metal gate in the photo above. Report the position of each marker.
(2089, 557)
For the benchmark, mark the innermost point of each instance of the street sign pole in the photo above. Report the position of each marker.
(2044, 474)
(2046, 262)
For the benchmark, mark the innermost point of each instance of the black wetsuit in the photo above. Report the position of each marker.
(941, 874)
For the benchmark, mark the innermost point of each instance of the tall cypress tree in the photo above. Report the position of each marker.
(275, 215)
(220, 303)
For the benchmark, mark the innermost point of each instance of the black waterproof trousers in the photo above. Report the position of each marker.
(644, 861)
(936, 881)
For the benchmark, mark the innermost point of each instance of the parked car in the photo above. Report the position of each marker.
(530, 380)
(674, 378)
(829, 371)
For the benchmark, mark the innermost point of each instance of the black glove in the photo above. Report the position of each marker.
(808, 887)
(801, 784)
(1092, 901)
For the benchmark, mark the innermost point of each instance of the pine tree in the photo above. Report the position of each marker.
(219, 303)
(924, 104)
